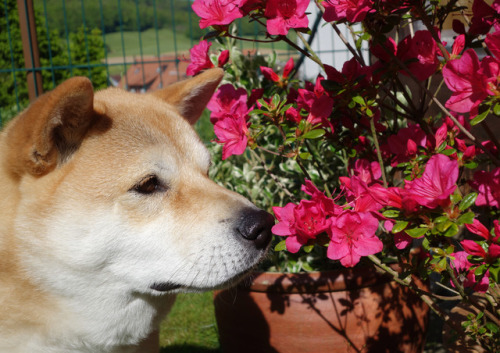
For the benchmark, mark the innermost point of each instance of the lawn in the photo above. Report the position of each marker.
(132, 45)
(190, 326)
(152, 42)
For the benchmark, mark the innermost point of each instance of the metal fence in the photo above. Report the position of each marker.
(139, 45)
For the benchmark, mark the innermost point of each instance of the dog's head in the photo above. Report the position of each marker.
(112, 189)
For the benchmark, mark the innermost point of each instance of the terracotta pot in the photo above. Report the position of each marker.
(351, 310)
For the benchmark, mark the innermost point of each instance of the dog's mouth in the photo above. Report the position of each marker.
(163, 287)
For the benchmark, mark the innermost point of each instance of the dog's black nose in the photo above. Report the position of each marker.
(255, 225)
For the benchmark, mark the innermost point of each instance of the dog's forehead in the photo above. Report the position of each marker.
(143, 121)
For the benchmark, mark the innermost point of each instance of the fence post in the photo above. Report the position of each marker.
(30, 47)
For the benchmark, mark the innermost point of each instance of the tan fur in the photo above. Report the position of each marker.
(68, 168)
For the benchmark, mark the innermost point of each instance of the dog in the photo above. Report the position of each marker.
(107, 212)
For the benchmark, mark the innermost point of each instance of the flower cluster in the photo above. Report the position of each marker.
(399, 139)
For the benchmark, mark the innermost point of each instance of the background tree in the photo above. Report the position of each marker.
(86, 47)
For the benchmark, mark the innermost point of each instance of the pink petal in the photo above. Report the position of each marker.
(479, 229)
(473, 248)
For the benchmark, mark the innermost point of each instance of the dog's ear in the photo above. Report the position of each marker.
(191, 96)
(51, 128)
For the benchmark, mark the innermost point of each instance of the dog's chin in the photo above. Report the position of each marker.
(172, 287)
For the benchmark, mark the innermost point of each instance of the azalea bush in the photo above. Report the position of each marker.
(366, 162)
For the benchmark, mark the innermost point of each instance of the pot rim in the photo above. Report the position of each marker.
(316, 281)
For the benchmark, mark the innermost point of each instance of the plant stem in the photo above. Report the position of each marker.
(313, 56)
(430, 27)
(470, 299)
(425, 298)
(379, 152)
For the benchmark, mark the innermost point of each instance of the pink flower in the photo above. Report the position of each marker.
(402, 240)
(300, 223)
(488, 185)
(232, 133)
(458, 46)
(465, 275)
(364, 197)
(283, 15)
(320, 110)
(441, 135)
(223, 58)
(475, 249)
(199, 58)
(227, 101)
(352, 10)
(479, 229)
(352, 235)
(273, 76)
(327, 204)
(483, 17)
(469, 87)
(367, 171)
(405, 144)
(492, 40)
(423, 48)
(437, 183)
(216, 12)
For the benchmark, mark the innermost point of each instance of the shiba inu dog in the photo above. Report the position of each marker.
(106, 212)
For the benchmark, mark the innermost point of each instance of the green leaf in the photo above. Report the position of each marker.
(308, 248)
(441, 219)
(285, 107)
(276, 100)
(425, 244)
(263, 103)
(399, 226)
(466, 218)
(480, 117)
(480, 270)
(449, 151)
(305, 155)
(471, 165)
(313, 134)
(495, 273)
(438, 251)
(496, 109)
(416, 232)
(306, 266)
(259, 112)
(492, 327)
(280, 246)
(359, 100)
(467, 201)
(443, 226)
(456, 197)
(302, 125)
(452, 230)
(391, 213)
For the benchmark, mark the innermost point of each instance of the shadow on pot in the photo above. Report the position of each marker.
(351, 310)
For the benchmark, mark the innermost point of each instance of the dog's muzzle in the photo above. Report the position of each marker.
(255, 225)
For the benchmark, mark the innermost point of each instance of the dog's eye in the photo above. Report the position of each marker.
(149, 185)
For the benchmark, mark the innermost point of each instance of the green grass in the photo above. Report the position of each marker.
(165, 42)
(190, 327)
(162, 42)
